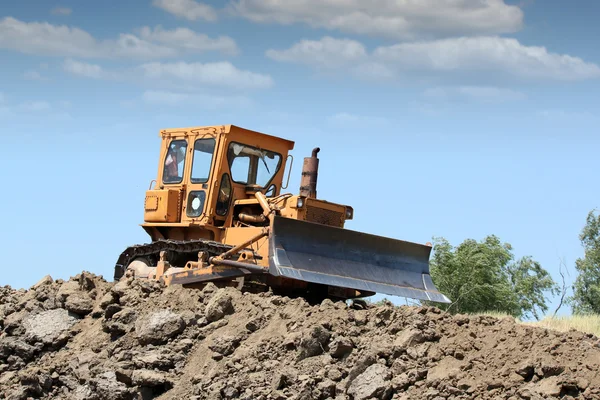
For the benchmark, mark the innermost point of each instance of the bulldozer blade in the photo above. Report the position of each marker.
(340, 257)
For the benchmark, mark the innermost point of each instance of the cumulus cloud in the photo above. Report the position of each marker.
(84, 69)
(188, 39)
(325, 53)
(188, 9)
(491, 55)
(62, 11)
(399, 19)
(42, 38)
(202, 101)
(211, 74)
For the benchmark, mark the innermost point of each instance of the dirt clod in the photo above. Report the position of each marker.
(158, 327)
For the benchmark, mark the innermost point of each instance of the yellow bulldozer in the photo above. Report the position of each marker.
(216, 213)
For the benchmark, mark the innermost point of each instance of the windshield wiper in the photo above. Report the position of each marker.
(262, 157)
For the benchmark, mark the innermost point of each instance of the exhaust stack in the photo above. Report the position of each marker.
(310, 172)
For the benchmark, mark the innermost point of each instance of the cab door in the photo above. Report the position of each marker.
(202, 154)
(163, 204)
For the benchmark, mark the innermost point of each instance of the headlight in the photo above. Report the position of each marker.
(300, 202)
(349, 213)
(195, 204)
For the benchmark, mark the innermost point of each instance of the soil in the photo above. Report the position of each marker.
(87, 338)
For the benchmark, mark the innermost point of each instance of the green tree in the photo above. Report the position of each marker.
(484, 276)
(586, 288)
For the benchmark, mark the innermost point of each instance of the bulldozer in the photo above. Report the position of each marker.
(219, 211)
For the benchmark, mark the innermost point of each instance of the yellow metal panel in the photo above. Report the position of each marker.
(162, 206)
(236, 236)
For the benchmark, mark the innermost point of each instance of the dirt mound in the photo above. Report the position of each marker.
(90, 339)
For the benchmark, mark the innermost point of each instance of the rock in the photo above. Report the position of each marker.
(108, 387)
(549, 387)
(445, 370)
(407, 338)
(361, 317)
(255, 324)
(82, 392)
(149, 378)
(220, 304)
(209, 290)
(526, 370)
(121, 288)
(224, 345)
(284, 378)
(154, 359)
(373, 383)
(107, 299)
(14, 346)
(327, 388)
(111, 310)
(582, 383)
(121, 322)
(340, 347)
(335, 374)
(548, 370)
(314, 343)
(48, 327)
(47, 280)
(360, 366)
(86, 281)
(67, 289)
(79, 304)
(158, 327)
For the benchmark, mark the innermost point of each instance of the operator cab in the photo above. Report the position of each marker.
(203, 171)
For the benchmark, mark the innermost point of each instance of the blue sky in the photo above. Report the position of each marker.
(443, 118)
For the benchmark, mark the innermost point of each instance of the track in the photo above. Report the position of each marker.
(176, 250)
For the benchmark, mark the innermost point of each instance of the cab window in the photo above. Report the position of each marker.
(175, 162)
(203, 155)
(250, 165)
(224, 196)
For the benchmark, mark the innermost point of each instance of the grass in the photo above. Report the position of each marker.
(583, 323)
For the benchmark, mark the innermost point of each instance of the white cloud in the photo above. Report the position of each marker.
(212, 74)
(201, 101)
(485, 94)
(188, 39)
(325, 53)
(42, 38)
(400, 19)
(489, 54)
(492, 56)
(62, 11)
(188, 9)
(84, 69)
(333, 54)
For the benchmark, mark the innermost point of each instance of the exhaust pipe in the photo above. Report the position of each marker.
(310, 172)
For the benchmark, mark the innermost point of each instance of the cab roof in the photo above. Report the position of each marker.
(223, 129)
